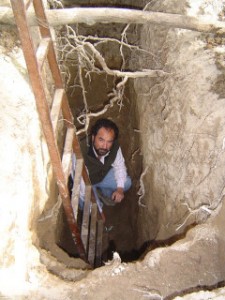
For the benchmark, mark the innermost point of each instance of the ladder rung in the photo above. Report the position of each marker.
(86, 217)
(76, 185)
(92, 238)
(42, 51)
(67, 153)
(56, 107)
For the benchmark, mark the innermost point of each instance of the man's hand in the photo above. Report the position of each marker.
(118, 195)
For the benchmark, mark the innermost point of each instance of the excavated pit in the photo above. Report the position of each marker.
(172, 132)
(120, 233)
(120, 227)
(135, 226)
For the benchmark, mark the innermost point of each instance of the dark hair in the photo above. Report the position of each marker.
(106, 123)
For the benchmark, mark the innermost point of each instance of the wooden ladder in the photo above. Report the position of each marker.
(88, 239)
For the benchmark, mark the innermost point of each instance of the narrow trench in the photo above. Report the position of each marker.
(121, 220)
(131, 230)
(120, 228)
(90, 92)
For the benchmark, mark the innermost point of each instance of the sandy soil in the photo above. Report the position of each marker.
(29, 268)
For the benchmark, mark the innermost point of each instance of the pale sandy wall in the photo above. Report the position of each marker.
(182, 146)
(24, 188)
(27, 193)
(182, 126)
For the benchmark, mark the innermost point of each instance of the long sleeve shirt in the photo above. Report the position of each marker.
(119, 167)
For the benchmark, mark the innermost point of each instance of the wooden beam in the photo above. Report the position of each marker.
(42, 51)
(67, 153)
(86, 217)
(92, 237)
(76, 185)
(98, 257)
(56, 108)
(93, 15)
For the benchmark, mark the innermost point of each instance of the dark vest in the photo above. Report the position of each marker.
(96, 169)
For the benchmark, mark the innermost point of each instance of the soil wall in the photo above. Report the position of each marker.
(182, 144)
(181, 124)
(25, 171)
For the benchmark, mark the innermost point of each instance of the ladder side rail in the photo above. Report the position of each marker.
(76, 185)
(67, 113)
(44, 114)
(45, 32)
(67, 153)
(56, 108)
(42, 51)
(85, 176)
(52, 59)
(98, 255)
(76, 147)
(86, 217)
(92, 235)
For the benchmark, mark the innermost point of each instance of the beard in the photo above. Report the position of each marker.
(101, 152)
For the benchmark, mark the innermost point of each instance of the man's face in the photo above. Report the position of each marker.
(103, 140)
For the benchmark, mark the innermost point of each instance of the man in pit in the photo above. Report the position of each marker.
(105, 163)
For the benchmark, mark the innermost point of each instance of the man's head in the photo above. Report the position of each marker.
(104, 133)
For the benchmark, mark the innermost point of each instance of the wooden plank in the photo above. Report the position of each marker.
(77, 150)
(86, 217)
(98, 256)
(42, 51)
(45, 32)
(76, 185)
(67, 153)
(85, 176)
(76, 147)
(56, 107)
(67, 113)
(92, 237)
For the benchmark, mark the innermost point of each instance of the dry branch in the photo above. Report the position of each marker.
(90, 16)
(141, 191)
(83, 51)
(117, 94)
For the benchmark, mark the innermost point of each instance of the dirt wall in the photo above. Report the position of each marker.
(24, 171)
(181, 125)
(181, 131)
